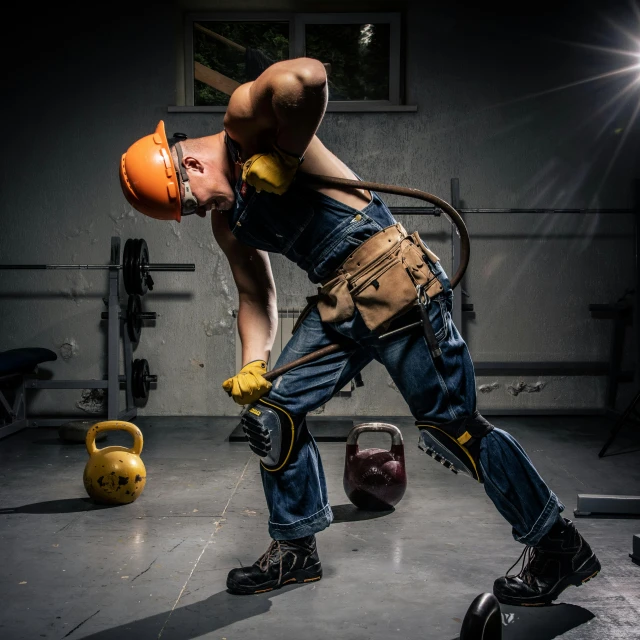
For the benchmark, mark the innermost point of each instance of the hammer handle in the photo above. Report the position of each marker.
(310, 357)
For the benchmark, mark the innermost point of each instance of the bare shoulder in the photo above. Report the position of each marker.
(239, 108)
(246, 120)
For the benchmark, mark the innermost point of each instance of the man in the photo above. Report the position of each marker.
(373, 277)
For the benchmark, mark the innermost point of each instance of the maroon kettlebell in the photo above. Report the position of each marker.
(375, 479)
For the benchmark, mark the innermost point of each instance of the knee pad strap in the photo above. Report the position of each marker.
(456, 444)
(272, 432)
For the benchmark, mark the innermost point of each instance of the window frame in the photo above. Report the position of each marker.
(297, 22)
(393, 19)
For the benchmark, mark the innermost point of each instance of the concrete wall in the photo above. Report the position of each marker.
(483, 82)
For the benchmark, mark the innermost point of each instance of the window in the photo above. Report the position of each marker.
(228, 53)
(358, 54)
(361, 52)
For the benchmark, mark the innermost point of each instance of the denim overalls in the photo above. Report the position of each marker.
(318, 232)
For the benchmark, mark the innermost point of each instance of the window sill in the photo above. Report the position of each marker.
(339, 107)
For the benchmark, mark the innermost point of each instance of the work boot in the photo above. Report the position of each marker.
(561, 559)
(284, 562)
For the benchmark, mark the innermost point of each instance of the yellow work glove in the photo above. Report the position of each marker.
(273, 172)
(248, 385)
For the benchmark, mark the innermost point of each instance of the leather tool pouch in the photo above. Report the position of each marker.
(334, 300)
(380, 279)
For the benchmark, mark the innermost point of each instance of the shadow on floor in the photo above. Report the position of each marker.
(223, 609)
(68, 505)
(542, 623)
(610, 454)
(350, 513)
(190, 621)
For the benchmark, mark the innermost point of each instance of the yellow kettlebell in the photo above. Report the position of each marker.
(114, 475)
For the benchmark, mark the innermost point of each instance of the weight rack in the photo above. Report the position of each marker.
(136, 276)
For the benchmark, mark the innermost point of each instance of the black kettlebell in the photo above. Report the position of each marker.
(483, 620)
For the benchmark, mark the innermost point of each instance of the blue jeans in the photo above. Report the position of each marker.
(435, 392)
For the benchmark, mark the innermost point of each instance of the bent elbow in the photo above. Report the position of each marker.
(311, 73)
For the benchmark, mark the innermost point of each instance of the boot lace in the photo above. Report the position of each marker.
(270, 553)
(532, 562)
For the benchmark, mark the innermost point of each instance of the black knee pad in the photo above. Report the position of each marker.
(273, 433)
(456, 444)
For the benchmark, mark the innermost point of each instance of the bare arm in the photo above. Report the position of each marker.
(285, 104)
(257, 308)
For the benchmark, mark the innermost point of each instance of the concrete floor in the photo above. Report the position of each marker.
(157, 567)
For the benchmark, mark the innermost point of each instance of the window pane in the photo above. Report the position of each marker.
(359, 58)
(227, 54)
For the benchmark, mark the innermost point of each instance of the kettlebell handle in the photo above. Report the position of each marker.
(380, 427)
(114, 425)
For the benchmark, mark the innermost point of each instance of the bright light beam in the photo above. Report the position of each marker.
(597, 47)
(632, 36)
(570, 85)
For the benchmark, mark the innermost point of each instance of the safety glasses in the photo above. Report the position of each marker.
(189, 201)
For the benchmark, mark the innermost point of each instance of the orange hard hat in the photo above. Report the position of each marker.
(148, 177)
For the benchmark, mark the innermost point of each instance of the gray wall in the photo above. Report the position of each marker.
(82, 92)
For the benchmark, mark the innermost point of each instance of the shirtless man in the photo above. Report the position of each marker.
(249, 177)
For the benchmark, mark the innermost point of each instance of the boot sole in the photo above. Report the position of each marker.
(298, 577)
(589, 569)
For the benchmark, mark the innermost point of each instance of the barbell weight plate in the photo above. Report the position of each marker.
(134, 276)
(146, 383)
(145, 276)
(134, 319)
(127, 255)
(140, 383)
(134, 271)
(138, 284)
(135, 379)
(142, 259)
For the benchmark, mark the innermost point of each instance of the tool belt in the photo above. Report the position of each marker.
(380, 279)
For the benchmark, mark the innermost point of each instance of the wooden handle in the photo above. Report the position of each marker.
(315, 355)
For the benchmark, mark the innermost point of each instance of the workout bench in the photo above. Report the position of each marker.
(15, 366)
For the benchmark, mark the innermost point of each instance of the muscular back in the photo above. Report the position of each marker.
(252, 121)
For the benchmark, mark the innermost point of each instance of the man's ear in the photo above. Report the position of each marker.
(193, 164)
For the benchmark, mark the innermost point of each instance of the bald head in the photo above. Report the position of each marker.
(208, 171)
